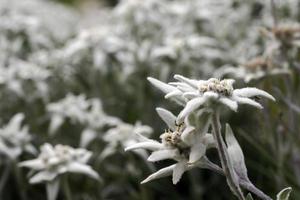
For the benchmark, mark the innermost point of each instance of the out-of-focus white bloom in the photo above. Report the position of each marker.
(72, 107)
(19, 73)
(248, 74)
(57, 160)
(194, 94)
(14, 138)
(181, 143)
(79, 109)
(124, 135)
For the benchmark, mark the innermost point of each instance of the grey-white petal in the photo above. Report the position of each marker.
(164, 87)
(197, 151)
(210, 95)
(178, 171)
(191, 95)
(229, 103)
(209, 140)
(162, 155)
(167, 171)
(187, 134)
(76, 167)
(191, 82)
(42, 176)
(36, 164)
(251, 92)
(150, 145)
(235, 154)
(191, 106)
(175, 93)
(167, 117)
(244, 100)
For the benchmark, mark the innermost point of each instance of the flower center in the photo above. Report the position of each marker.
(222, 87)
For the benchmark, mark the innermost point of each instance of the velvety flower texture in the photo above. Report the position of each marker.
(195, 94)
(180, 142)
(57, 160)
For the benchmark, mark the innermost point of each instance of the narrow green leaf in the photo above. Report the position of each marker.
(249, 197)
(284, 194)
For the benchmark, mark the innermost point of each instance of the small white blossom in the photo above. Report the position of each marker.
(125, 135)
(14, 138)
(79, 109)
(180, 143)
(195, 94)
(57, 160)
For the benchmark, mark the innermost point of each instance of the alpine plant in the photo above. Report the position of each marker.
(197, 128)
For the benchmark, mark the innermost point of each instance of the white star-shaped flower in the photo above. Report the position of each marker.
(57, 160)
(194, 94)
(182, 143)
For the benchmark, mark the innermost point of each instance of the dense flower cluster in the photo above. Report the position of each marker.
(57, 160)
(15, 138)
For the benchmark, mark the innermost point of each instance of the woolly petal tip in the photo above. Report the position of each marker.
(251, 92)
(229, 103)
(178, 171)
(188, 81)
(190, 107)
(167, 116)
(164, 87)
(162, 155)
(167, 171)
(150, 145)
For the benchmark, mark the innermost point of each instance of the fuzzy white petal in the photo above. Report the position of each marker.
(235, 154)
(191, 106)
(162, 155)
(150, 145)
(167, 117)
(178, 170)
(167, 171)
(42, 176)
(35, 164)
(197, 151)
(230, 103)
(244, 100)
(210, 95)
(174, 93)
(186, 134)
(251, 92)
(191, 82)
(164, 87)
(76, 167)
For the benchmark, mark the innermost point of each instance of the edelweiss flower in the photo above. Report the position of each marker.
(181, 143)
(14, 138)
(78, 109)
(194, 94)
(125, 135)
(57, 160)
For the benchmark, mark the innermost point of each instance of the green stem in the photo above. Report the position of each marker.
(224, 158)
(66, 188)
(4, 178)
(19, 181)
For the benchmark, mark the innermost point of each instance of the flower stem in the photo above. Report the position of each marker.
(66, 188)
(224, 158)
(19, 180)
(4, 178)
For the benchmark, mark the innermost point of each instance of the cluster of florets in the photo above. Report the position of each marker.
(56, 160)
(223, 87)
